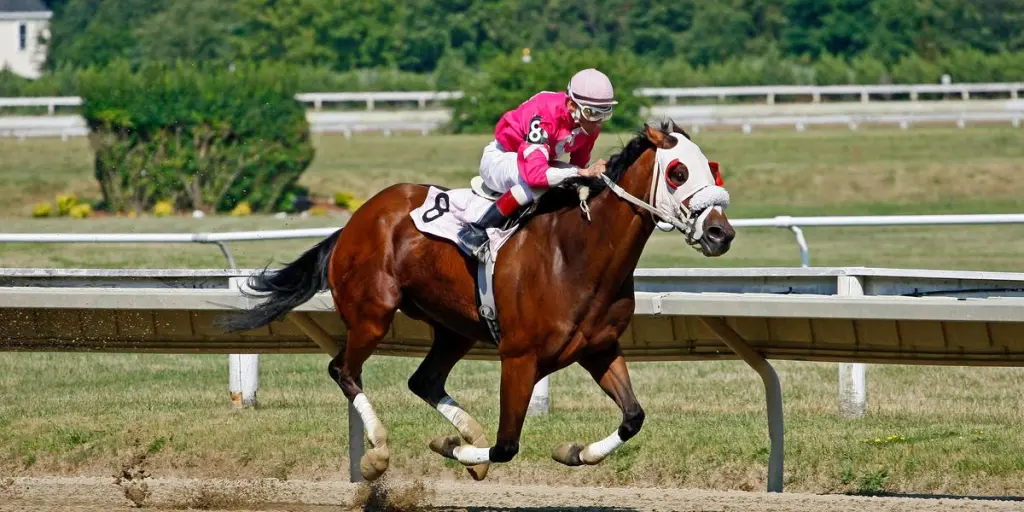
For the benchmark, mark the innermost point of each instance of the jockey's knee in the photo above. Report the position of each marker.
(522, 195)
(503, 451)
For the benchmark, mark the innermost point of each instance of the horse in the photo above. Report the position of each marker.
(563, 288)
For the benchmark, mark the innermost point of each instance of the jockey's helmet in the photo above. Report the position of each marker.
(593, 94)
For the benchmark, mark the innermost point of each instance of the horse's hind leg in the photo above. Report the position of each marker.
(368, 319)
(609, 370)
(518, 376)
(428, 383)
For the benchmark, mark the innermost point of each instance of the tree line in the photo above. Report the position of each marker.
(428, 38)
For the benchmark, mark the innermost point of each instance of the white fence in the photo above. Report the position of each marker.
(813, 92)
(744, 115)
(794, 224)
(816, 92)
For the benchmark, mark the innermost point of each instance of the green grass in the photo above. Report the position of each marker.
(938, 429)
(872, 171)
(953, 430)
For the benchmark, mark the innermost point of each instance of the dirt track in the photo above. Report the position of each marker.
(82, 493)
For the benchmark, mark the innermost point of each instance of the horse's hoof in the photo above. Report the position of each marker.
(478, 472)
(374, 463)
(568, 454)
(445, 446)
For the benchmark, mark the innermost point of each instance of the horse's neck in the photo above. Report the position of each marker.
(612, 241)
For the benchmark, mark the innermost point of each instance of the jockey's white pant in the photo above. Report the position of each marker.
(500, 171)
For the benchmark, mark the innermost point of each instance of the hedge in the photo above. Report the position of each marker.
(203, 139)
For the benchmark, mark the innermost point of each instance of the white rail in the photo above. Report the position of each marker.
(794, 224)
(770, 92)
(816, 92)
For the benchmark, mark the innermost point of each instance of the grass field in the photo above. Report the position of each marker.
(927, 170)
(928, 430)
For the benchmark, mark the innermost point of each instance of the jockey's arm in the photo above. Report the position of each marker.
(581, 157)
(535, 156)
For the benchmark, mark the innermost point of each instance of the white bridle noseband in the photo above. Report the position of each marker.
(699, 188)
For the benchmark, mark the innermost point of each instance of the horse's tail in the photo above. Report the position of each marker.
(287, 288)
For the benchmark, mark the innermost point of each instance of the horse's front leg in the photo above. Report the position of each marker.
(609, 370)
(518, 376)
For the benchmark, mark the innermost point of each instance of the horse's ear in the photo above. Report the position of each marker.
(659, 138)
(677, 129)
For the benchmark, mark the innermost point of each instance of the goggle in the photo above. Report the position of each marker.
(595, 114)
(590, 112)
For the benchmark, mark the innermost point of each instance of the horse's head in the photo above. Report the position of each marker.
(686, 190)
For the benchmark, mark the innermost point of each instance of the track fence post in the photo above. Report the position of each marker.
(243, 373)
(852, 376)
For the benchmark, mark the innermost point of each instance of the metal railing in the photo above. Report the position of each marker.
(963, 91)
(793, 224)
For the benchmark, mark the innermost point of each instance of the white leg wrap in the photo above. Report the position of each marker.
(597, 451)
(374, 428)
(472, 455)
(454, 413)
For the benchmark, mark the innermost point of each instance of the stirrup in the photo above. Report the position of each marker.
(480, 248)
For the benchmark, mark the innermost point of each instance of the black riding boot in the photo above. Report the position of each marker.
(474, 235)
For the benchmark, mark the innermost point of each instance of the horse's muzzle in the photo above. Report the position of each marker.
(718, 234)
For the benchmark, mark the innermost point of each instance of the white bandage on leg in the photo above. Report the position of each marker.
(373, 425)
(597, 451)
(454, 413)
(472, 455)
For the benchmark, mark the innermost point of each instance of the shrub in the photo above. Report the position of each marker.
(355, 204)
(64, 203)
(163, 209)
(343, 199)
(241, 210)
(205, 138)
(42, 210)
(80, 211)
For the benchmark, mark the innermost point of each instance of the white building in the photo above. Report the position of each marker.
(22, 22)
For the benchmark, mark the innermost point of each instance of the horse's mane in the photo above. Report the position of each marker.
(618, 163)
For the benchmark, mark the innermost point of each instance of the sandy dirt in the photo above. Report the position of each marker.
(80, 494)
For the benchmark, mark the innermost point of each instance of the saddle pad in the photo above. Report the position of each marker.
(445, 212)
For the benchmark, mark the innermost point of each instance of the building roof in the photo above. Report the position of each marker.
(23, 6)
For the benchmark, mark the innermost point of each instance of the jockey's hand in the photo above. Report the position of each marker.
(594, 170)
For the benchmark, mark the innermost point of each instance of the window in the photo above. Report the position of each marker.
(22, 36)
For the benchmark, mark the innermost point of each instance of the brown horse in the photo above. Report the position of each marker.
(563, 288)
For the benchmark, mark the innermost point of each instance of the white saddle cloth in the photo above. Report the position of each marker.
(444, 213)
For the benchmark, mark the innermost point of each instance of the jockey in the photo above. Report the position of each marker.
(523, 159)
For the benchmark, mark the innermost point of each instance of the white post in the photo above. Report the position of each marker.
(243, 379)
(540, 401)
(243, 370)
(852, 376)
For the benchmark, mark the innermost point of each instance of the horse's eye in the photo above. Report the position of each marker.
(678, 174)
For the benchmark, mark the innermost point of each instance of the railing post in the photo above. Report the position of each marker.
(540, 402)
(852, 376)
(805, 253)
(243, 373)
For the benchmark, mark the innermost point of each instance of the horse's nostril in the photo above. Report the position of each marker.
(716, 234)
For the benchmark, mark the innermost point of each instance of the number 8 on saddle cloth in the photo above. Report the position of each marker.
(441, 207)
